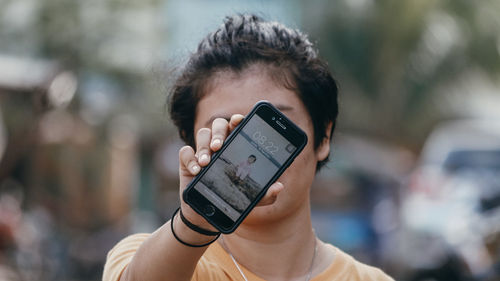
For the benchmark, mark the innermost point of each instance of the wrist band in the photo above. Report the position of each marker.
(185, 243)
(195, 227)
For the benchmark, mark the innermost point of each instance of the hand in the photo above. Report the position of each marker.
(209, 141)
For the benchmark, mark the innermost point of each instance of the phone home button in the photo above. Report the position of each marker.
(209, 210)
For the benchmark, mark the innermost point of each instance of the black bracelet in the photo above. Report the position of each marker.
(185, 243)
(195, 227)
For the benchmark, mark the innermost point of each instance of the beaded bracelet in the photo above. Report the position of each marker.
(185, 243)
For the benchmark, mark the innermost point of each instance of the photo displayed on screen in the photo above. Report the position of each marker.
(245, 167)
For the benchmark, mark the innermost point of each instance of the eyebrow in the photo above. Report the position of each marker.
(281, 107)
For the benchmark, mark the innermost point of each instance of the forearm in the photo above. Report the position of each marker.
(162, 257)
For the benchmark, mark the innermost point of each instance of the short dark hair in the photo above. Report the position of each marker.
(245, 40)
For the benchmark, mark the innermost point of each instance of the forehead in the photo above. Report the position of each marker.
(231, 93)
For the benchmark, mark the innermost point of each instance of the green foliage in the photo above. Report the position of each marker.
(394, 58)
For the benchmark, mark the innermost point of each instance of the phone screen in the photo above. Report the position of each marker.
(244, 168)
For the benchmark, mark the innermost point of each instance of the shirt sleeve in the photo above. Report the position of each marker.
(368, 273)
(120, 256)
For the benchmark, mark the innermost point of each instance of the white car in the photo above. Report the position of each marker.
(452, 203)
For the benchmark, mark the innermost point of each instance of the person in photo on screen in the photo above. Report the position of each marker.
(244, 168)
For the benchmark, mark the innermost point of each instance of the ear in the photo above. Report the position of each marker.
(323, 149)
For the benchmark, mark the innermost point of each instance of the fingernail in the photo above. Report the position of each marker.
(216, 142)
(195, 168)
(203, 157)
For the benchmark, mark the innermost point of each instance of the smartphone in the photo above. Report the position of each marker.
(250, 160)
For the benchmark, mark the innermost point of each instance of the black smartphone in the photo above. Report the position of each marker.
(252, 158)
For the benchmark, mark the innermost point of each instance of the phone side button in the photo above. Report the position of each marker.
(209, 210)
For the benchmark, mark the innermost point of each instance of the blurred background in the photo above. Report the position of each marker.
(88, 155)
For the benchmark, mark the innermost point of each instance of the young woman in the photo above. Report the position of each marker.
(244, 61)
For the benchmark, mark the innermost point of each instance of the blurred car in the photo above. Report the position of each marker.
(451, 209)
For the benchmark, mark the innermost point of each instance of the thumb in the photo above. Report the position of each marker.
(271, 194)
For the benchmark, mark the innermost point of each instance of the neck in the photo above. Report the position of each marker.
(279, 250)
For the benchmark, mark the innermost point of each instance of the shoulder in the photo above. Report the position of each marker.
(215, 264)
(345, 267)
(121, 254)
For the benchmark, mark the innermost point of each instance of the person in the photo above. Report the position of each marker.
(244, 168)
(244, 61)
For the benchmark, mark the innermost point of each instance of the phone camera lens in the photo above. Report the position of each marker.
(274, 118)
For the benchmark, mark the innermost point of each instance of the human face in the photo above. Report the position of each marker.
(251, 160)
(237, 94)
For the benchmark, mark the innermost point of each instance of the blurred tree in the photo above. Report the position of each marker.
(396, 60)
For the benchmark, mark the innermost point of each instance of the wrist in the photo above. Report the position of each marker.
(195, 227)
(187, 236)
(196, 219)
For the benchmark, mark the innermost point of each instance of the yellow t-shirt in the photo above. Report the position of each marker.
(217, 265)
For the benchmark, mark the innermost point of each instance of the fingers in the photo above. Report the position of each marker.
(235, 120)
(188, 163)
(220, 129)
(271, 194)
(202, 150)
(207, 141)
